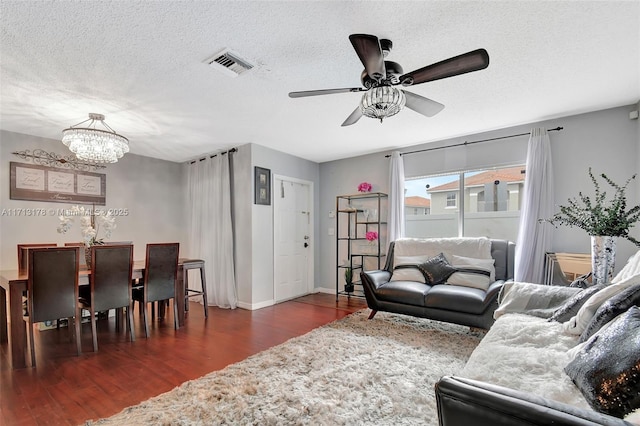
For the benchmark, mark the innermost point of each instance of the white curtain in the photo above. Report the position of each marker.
(534, 238)
(211, 233)
(396, 197)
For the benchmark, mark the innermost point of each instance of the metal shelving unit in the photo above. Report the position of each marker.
(352, 248)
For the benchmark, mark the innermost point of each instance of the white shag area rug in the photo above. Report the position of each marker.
(352, 371)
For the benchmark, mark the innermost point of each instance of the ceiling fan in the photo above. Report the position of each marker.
(379, 77)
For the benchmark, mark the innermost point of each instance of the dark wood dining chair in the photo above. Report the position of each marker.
(160, 276)
(110, 285)
(23, 253)
(52, 290)
(83, 258)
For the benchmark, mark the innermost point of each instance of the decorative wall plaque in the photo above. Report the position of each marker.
(41, 183)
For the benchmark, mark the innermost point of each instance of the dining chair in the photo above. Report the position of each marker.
(52, 290)
(23, 253)
(83, 258)
(110, 285)
(160, 276)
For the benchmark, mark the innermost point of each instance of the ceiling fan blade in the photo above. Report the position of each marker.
(467, 62)
(370, 53)
(324, 92)
(353, 118)
(422, 105)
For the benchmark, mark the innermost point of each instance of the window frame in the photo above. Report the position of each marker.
(460, 200)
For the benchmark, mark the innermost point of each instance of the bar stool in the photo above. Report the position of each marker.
(188, 264)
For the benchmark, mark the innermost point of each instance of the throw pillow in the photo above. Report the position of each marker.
(573, 352)
(405, 268)
(631, 268)
(607, 369)
(610, 309)
(571, 307)
(577, 324)
(436, 270)
(472, 272)
(532, 299)
(582, 281)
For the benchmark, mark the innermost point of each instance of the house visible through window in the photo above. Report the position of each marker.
(489, 205)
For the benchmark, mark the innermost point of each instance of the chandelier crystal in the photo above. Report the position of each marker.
(381, 102)
(95, 145)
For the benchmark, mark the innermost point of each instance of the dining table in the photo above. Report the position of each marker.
(13, 284)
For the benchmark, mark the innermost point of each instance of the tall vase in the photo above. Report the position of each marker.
(603, 258)
(87, 256)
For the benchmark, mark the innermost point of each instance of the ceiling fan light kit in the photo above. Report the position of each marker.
(95, 145)
(379, 77)
(382, 102)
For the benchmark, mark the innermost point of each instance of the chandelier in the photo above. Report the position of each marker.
(95, 145)
(382, 101)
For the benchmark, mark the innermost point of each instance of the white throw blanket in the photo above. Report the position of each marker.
(533, 299)
(528, 354)
(479, 248)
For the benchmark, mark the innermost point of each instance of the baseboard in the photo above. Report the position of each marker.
(259, 305)
(254, 306)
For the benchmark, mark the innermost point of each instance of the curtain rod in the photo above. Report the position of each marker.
(231, 151)
(557, 129)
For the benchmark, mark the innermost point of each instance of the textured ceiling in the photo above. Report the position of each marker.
(141, 64)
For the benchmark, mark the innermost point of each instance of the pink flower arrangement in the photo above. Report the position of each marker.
(372, 236)
(364, 187)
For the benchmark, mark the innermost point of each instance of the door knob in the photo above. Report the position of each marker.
(306, 245)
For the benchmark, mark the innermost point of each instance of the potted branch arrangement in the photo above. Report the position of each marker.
(603, 220)
(348, 280)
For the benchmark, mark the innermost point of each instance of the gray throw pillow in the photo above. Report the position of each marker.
(607, 368)
(582, 281)
(571, 307)
(437, 269)
(610, 309)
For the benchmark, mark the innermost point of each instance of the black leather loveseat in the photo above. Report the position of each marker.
(449, 303)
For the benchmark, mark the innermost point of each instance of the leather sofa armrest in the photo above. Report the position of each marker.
(463, 401)
(376, 278)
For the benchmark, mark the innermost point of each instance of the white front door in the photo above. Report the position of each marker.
(293, 250)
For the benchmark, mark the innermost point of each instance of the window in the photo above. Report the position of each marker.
(451, 200)
(469, 203)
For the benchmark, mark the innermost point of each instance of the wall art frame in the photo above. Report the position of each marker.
(262, 186)
(32, 182)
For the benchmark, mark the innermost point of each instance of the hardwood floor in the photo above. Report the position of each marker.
(68, 390)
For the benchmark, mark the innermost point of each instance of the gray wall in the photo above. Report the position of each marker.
(254, 223)
(152, 190)
(606, 140)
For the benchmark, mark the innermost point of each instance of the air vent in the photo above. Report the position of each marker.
(229, 63)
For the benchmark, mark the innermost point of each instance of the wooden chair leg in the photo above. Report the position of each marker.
(185, 282)
(146, 324)
(118, 318)
(175, 314)
(372, 314)
(31, 344)
(132, 334)
(203, 281)
(161, 308)
(77, 322)
(94, 329)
